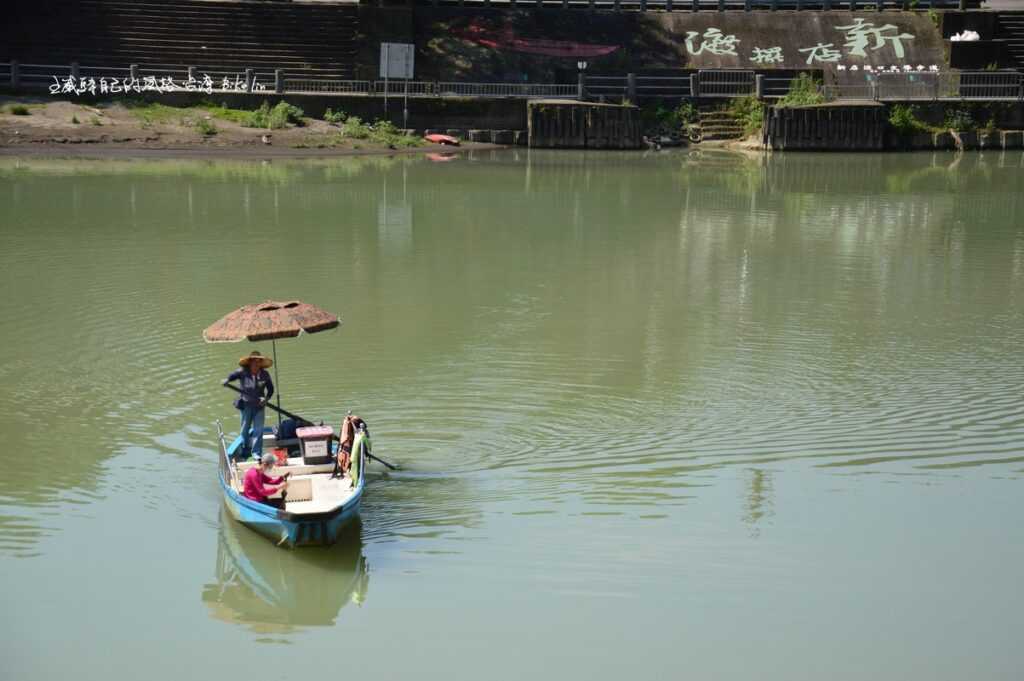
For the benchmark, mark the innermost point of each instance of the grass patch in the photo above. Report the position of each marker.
(804, 90)
(749, 111)
(224, 113)
(74, 120)
(19, 110)
(280, 116)
(149, 113)
(95, 120)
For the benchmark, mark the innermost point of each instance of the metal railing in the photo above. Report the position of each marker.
(666, 87)
(711, 83)
(928, 86)
(337, 87)
(726, 83)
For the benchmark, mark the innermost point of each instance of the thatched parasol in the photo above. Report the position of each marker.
(270, 320)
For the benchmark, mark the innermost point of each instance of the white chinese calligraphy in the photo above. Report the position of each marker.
(70, 85)
(860, 33)
(714, 41)
(768, 55)
(822, 52)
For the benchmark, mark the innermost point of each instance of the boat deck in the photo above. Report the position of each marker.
(311, 489)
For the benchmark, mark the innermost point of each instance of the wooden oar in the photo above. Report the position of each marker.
(290, 415)
(279, 410)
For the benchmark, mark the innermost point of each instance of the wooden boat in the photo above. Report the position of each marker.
(317, 503)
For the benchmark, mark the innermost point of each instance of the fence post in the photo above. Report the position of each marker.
(76, 71)
(695, 6)
(15, 74)
(759, 86)
(250, 78)
(631, 87)
(775, 5)
(581, 86)
(874, 90)
(694, 85)
(746, 5)
(279, 81)
(668, 5)
(133, 71)
(191, 74)
(721, 5)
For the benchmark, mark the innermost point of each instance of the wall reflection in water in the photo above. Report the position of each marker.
(273, 591)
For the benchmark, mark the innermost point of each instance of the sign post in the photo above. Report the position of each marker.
(396, 61)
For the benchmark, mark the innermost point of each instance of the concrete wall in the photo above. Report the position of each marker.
(543, 45)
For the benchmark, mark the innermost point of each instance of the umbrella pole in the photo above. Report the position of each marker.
(277, 384)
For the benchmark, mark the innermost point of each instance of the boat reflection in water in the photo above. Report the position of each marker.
(275, 591)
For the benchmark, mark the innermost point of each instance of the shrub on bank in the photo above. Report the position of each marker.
(275, 118)
(668, 121)
(335, 117)
(380, 132)
(903, 119)
(749, 111)
(206, 128)
(804, 90)
(960, 120)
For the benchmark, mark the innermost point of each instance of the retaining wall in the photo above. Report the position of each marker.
(562, 124)
(844, 127)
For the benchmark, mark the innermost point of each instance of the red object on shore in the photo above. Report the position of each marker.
(442, 139)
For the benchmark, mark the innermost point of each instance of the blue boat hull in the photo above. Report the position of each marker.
(289, 529)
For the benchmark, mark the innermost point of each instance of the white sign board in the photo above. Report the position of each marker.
(396, 60)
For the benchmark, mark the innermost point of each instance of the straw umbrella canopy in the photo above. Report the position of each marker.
(270, 320)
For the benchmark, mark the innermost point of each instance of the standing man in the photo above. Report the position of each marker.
(257, 389)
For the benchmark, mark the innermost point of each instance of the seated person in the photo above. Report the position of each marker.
(258, 486)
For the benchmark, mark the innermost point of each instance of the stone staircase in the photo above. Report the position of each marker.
(213, 35)
(1010, 30)
(718, 124)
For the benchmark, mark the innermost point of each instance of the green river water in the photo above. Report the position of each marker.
(672, 416)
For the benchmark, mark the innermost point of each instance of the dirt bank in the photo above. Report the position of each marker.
(40, 126)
